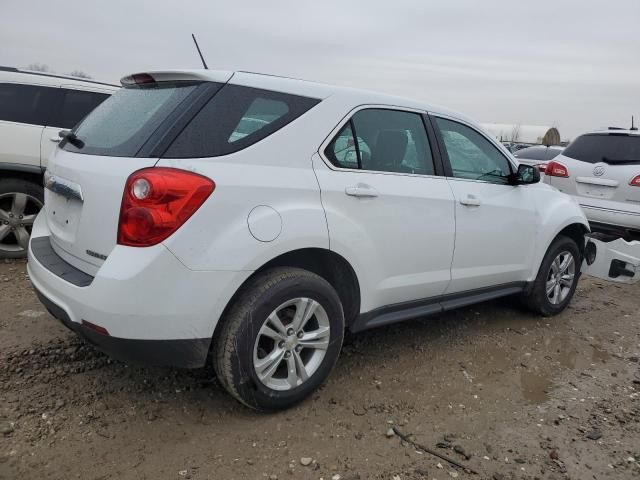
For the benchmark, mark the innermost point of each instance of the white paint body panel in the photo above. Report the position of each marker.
(413, 241)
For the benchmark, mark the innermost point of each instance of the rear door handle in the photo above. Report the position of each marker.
(471, 201)
(361, 190)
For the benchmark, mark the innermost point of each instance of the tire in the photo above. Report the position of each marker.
(240, 347)
(16, 221)
(537, 299)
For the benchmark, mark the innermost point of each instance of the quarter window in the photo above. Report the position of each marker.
(235, 118)
(383, 140)
(471, 155)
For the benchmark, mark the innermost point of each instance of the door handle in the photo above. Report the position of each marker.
(361, 190)
(471, 201)
(55, 139)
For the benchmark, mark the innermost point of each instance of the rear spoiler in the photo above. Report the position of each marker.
(141, 78)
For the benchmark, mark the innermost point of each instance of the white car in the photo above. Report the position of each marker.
(34, 107)
(601, 170)
(168, 239)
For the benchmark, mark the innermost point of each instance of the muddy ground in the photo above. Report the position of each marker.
(503, 392)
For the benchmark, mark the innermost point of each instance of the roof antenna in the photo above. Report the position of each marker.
(204, 64)
(633, 127)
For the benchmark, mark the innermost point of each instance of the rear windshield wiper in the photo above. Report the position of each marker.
(71, 137)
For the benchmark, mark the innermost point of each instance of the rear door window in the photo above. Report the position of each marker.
(612, 148)
(235, 118)
(121, 125)
(76, 104)
(383, 140)
(31, 104)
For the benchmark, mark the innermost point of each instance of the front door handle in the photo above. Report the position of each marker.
(361, 190)
(471, 201)
(55, 139)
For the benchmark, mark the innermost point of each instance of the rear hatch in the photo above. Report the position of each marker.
(600, 169)
(86, 175)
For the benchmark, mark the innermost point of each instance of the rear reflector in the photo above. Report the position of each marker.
(95, 328)
(635, 182)
(555, 169)
(157, 201)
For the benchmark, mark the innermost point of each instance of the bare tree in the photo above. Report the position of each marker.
(38, 67)
(515, 133)
(80, 74)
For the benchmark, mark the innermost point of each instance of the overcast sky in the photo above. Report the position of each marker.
(574, 64)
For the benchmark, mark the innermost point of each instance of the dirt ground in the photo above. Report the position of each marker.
(503, 392)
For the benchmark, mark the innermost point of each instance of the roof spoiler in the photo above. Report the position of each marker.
(143, 78)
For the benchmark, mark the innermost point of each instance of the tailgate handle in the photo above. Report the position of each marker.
(62, 187)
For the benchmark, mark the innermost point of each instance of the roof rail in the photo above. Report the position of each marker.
(53, 75)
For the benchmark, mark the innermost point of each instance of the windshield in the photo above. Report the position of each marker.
(612, 148)
(123, 123)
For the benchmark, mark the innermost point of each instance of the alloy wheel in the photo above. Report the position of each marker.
(291, 344)
(561, 277)
(17, 213)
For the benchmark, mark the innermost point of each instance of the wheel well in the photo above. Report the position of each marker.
(325, 263)
(28, 176)
(576, 232)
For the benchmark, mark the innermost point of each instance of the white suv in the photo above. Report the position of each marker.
(205, 214)
(601, 170)
(34, 107)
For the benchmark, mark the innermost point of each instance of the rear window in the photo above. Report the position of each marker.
(235, 118)
(612, 148)
(537, 153)
(121, 125)
(30, 104)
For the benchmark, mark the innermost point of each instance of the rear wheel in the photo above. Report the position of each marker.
(20, 202)
(280, 339)
(557, 278)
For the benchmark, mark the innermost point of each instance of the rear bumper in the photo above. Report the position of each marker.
(156, 311)
(189, 353)
(608, 216)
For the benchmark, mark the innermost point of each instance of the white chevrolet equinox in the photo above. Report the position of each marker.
(250, 219)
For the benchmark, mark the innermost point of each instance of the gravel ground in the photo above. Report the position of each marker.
(504, 393)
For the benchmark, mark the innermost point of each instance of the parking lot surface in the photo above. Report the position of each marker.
(498, 390)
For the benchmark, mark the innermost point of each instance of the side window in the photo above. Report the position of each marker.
(383, 140)
(471, 155)
(30, 104)
(76, 105)
(235, 118)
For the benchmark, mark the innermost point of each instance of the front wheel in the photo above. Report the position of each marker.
(557, 278)
(280, 339)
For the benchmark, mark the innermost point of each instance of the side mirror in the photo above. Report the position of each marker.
(526, 175)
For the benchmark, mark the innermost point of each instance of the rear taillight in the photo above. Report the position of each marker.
(555, 169)
(542, 167)
(157, 201)
(635, 182)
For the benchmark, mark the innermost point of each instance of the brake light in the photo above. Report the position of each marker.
(542, 167)
(635, 182)
(555, 169)
(157, 201)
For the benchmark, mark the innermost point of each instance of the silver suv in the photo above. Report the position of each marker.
(601, 170)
